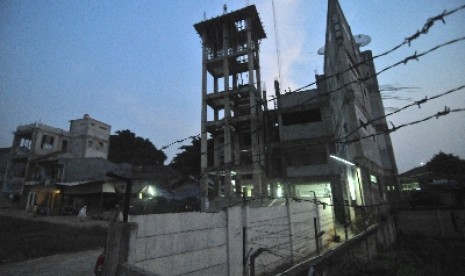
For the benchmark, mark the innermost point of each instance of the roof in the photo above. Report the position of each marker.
(415, 172)
(85, 169)
(211, 27)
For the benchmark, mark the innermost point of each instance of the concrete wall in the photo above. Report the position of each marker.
(216, 243)
(184, 243)
(365, 245)
(314, 170)
(302, 131)
(432, 223)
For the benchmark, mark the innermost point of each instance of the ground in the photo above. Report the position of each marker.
(413, 256)
(49, 245)
(71, 264)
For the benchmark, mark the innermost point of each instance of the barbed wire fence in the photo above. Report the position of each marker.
(407, 41)
(348, 138)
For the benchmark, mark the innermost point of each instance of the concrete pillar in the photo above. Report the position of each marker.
(227, 115)
(235, 242)
(120, 249)
(237, 161)
(291, 230)
(216, 146)
(257, 191)
(203, 134)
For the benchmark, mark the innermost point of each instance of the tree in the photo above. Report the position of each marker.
(126, 147)
(446, 166)
(452, 168)
(188, 161)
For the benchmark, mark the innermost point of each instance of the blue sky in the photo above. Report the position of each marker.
(137, 64)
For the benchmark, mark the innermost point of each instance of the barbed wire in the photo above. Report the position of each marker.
(394, 128)
(417, 103)
(343, 140)
(407, 41)
(404, 61)
(359, 81)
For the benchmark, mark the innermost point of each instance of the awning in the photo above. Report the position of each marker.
(43, 189)
(108, 188)
(69, 184)
(87, 187)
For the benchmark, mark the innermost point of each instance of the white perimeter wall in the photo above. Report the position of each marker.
(212, 243)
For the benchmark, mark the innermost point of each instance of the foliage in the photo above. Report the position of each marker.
(441, 167)
(25, 239)
(447, 166)
(188, 161)
(126, 147)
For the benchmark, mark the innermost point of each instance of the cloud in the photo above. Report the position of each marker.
(299, 38)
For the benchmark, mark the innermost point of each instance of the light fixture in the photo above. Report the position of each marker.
(279, 192)
(342, 160)
(151, 191)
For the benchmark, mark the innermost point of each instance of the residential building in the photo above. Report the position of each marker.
(35, 158)
(90, 138)
(4, 156)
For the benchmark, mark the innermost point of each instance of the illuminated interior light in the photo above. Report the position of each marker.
(151, 191)
(279, 191)
(353, 194)
(342, 160)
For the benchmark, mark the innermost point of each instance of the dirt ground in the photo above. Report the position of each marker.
(68, 220)
(72, 264)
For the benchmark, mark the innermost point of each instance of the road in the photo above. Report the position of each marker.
(70, 264)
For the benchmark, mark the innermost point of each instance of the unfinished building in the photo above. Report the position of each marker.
(316, 143)
(232, 112)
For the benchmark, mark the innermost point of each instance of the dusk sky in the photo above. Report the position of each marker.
(137, 64)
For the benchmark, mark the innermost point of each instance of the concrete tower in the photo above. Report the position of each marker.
(354, 100)
(232, 106)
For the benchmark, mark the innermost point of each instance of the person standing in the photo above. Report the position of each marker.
(82, 213)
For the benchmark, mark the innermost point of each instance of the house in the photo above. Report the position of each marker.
(4, 156)
(39, 156)
(421, 187)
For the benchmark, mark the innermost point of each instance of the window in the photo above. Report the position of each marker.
(302, 117)
(64, 145)
(242, 59)
(47, 142)
(240, 25)
(246, 140)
